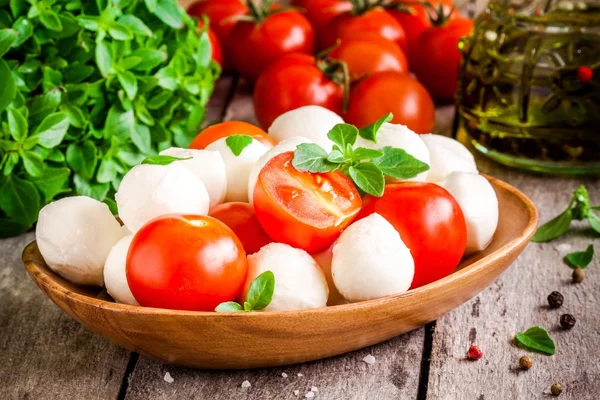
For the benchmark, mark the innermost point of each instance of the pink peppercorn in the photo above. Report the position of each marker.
(474, 353)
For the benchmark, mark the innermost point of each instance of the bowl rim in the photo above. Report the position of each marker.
(463, 273)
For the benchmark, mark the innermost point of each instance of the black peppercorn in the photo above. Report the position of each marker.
(567, 321)
(556, 389)
(555, 299)
(578, 275)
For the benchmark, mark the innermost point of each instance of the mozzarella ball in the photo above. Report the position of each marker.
(115, 278)
(299, 282)
(75, 235)
(206, 165)
(311, 122)
(399, 136)
(324, 260)
(479, 204)
(446, 156)
(237, 168)
(149, 191)
(281, 147)
(371, 261)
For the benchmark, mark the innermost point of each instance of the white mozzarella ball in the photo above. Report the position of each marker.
(299, 282)
(399, 136)
(311, 122)
(149, 191)
(237, 168)
(446, 156)
(115, 277)
(324, 259)
(75, 235)
(281, 147)
(371, 261)
(479, 204)
(206, 165)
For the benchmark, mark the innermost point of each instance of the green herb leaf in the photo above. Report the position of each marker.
(536, 339)
(120, 32)
(151, 5)
(82, 158)
(580, 259)
(311, 157)
(151, 58)
(8, 88)
(24, 30)
(397, 163)
(50, 20)
(229, 307)
(369, 178)
(7, 38)
(119, 123)
(593, 220)
(136, 25)
(33, 163)
(103, 58)
(129, 83)
(51, 182)
(19, 199)
(107, 171)
(52, 130)
(343, 135)
(140, 136)
(163, 160)
(336, 157)
(17, 124)
(554, 228)
(260, 292)
(369, 132)
(169, 13)
(361, 154)
(237, 143)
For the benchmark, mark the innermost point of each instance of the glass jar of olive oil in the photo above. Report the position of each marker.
(529, 86)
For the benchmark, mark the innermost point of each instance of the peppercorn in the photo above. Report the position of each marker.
(567, 321)
(555, 299)
(556, 389)
(578, 275)
(474, 353)
(525, 362)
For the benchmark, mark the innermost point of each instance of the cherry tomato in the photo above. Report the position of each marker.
(439, 46)
(240, 217)
(320, 12)
(430, 223)
(221, 14)
(305, 210)
(230, 128)
(374, 23)
(253, 46)
(394, 92)
(294, 81)
(418, 20)
(185, 262)
(366, 56)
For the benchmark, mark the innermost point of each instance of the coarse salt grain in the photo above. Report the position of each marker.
(369, 359)
(246, 384)
(284, 375)
(314, 389)
(296, 392)
(300, 374)
(168, 378)
(309, 395)
(563, 248)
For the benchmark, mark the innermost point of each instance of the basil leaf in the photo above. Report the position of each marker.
(96, 191)
(311, 157)
(554, 228)
(167, 78)
(107, 171)
(129, 83)
(119, 32)
(260, 292)
(24, 31)
(151, 58)
(151, 5)
(536, 339)
(397, 163)
(52, 130)
(8, 88)
(593, 220)
(237, 143)
(336, 156)
(119, 123)
(103, 58)
(160, 100)
(229, 307)
(9, 227)
(136, 25)
(19, 199)
(369, 132)
(362, 153)
(88, 22)
(43, 105)
(50, 20)
(129, 62)
(169, 13)
(343, 135)
(17, 124)
(580, 259)
(7, 38)
(163, 160)
(51, 182)
(33, 163)
(140, 136)
(369, 178)
(82, 158)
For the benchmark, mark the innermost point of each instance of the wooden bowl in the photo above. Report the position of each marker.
(265, 339)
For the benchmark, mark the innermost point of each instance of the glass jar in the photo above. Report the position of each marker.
(529, 86)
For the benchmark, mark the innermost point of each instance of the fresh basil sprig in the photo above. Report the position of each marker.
(536, 339)
(579, 209)
(580, 259)
(259, 295)
(366, 167)
(237, 143)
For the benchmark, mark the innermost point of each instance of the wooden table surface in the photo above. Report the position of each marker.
(44, 354)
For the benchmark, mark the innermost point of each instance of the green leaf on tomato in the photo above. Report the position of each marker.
(343, 135)
(369, 178)
(260, 292)
(312, 158)
(369, 132)
(237, 143)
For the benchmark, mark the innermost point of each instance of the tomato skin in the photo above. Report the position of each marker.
(439, 46)
(374, 23)
(294, 81)
(185, 262)
(253, 47)
(430, 223)
(241, 219)
(230, 128)
(302, 209)
(320, 12)
(217, 11)
(393, 92)
(366, 56)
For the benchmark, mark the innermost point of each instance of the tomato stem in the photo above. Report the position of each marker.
(336, 70)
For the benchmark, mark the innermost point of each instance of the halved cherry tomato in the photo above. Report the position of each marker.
(305, 210)
(366, 56)
(240, 217)
(294, 81)
(375, 22)
(430, 223)
(230, 128)
(221, 14)
(185, 262)
(394, 92)
(320, 12)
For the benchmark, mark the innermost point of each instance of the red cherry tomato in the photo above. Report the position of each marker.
(230, 128)
(374, 23)
(394, 92)
(185, 262)
(254, 46)
(320, 12)
(221, 14)
(240, 217)
(418, 20)
(294, 81)
(439, 46)
(303, 209)
(430, 223)
(366, 56)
